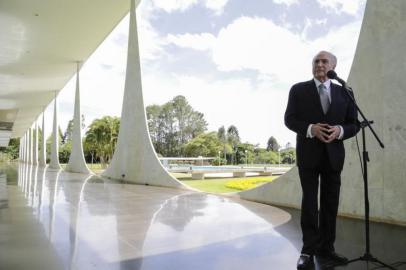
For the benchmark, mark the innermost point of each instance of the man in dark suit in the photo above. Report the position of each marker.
(322, 115)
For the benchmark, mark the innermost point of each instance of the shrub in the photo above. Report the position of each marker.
(247, 183)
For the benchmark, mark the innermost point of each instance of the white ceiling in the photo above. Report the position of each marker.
(40, 42)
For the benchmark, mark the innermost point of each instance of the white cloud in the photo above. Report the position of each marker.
(257, 111)
(150, 42)
(339, 6)
(342, 42)
(174, 5)
(200, 42)
(256, 107)
(113, 51)
(309, 24)
(182, 5)
(286, 2)
(280, 57)
(258, 44)
(216, 5)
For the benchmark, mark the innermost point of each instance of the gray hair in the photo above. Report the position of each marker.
(332, 56)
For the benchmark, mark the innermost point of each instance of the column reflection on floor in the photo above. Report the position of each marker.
(92, 222)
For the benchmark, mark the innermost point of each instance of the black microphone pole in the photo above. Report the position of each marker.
(368, 257)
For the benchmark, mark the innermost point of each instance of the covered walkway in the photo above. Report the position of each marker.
(60, 220)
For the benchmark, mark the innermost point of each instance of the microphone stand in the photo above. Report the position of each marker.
(367, 257)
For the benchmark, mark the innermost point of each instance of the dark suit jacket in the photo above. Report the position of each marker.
(304, 108)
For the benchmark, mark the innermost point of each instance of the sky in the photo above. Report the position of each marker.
(233, 60)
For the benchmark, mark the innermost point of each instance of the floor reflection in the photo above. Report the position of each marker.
(59, 220)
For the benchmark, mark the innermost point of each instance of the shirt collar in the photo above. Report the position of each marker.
(326, 83)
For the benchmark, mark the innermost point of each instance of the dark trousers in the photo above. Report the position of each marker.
(319, 227)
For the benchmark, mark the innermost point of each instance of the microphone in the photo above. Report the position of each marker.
(331, 74)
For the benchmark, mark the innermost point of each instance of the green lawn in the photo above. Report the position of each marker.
(213, 186)
(219, 185)
(210, 184)
(97, 168)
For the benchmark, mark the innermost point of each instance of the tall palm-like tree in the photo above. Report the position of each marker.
(233, 139)
(222, 136)
(103, 134)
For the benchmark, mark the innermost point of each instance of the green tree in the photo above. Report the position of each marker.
(245, 153)
(155, 125)
(90, 151)
(233, 138)
(266, 157)
(11, 152)
(173, 124)
(103, 135)
(272, 144)
(206, 144)
(288, 156)
(65, 147)
(67, 136)
(65, 150)
(222, 136)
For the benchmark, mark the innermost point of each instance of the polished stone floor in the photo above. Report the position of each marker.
(59, 220)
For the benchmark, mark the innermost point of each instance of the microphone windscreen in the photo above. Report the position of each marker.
(331, 74)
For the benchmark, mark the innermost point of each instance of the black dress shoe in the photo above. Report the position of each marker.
(305, 261)
(332, 256)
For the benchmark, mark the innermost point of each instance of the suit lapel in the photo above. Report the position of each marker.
(334, 98)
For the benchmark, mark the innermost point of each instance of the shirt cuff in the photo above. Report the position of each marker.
(309, 132)
(341, 133)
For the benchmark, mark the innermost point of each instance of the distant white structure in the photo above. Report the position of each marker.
(199, 160)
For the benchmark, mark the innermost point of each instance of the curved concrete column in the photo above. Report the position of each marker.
(134, 159)
(43, 152)
(22, 149)
(377, 76)
(285, 191)
(30, 145)
(26, 147)
(54, 163)
(35, 144)
(19, 149)
(77, 161)
(377, 79)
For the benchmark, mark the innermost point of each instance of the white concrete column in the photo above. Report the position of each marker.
(135, 159)
(26, 147)
(54, 163)
(30, 147)
(20, 149)
(43, 152)
(35, 144)
(77, 161)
